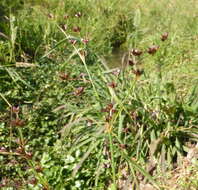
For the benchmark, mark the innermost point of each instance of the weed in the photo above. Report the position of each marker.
(70, 122)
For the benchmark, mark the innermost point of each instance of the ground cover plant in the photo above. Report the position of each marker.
(98, 94)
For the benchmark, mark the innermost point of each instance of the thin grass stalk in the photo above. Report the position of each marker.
(112, 159)
(10, 106)
(84, 62)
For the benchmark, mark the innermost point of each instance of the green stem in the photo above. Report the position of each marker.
(112, 160)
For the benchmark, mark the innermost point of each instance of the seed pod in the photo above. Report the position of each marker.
(17, 122)
(112, 84)
(72, 41)
(83, 53)
(113, 110)
(138, 72)
(28, 155)
(13, 163)
(2, 149)
(134, 115)
(20, 150)
(136, 52)
(78, 14)
(64, 27)
(164, 36)
(89, 122)
(131, 62)
(123, 146)
(109, 106)
(66, 17)
(76, 29)
(82, 75)
(64, 76)
(18, 184)
(79, 91)
(15, 109)
(126, 130)
(85, 41)
(51, 16)
(108, 118)
(116, 72)
(153, 49)
(33, 181)
(4, 182)
(38, 168)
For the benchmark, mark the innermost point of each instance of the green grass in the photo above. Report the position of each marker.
(83, 124)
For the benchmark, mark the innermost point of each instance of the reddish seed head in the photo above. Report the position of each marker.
(89, 122)
(82, 75)
(64, 76)
(15, 109)
(134, 115)
(38, 168)
(33, 181)
(104, 110)
(2, 149)
(108, 108)
(12, 162)
(76, 29)
(50, 15)
(138, 72)
(4, 182)
(72, 41)
(2, 185)
(18, 122)
(164, 36)
(28, 155)
(79, 14)
(85, 41)
(122, 146)
(113, 110)
(66, 17)
(20, 150)
(64, 27)
(116, 72)
(126, 130)
(21, 142)
(79, 91)
(131, 62)
(136, 52)
(108, 118)
(83, 53)
(112, 84)
(18, 184)
(153, 49)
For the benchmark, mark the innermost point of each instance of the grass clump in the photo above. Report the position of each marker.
(68, 121)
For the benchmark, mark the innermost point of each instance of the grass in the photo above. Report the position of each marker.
(73, 117)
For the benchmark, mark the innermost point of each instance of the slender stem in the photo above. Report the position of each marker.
(112, 159)
(5, 100)
(10, 106)
(84, 62)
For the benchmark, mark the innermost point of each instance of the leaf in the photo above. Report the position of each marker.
(137, 18)
(66, 129)
(137, 167)
(120, 127)
(78, 166)
(154, 145)
(25, 64)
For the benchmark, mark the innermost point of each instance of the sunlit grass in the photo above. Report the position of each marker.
(74, 121)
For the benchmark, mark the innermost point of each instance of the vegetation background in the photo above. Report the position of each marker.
(98, 94)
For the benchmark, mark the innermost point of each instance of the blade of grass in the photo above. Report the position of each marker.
(113, 166)
(79, 165)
